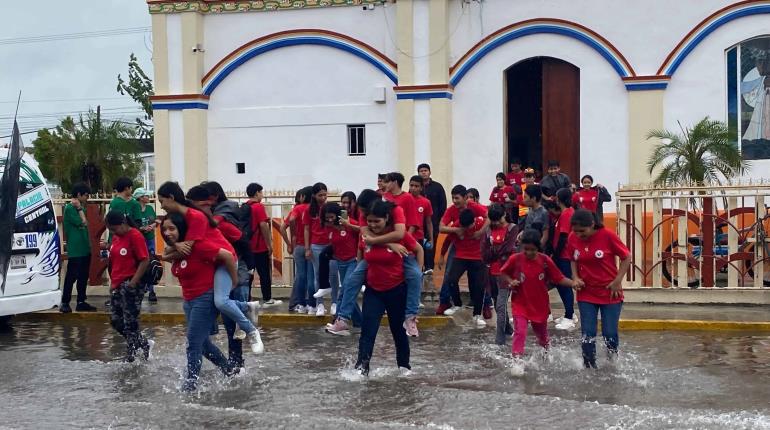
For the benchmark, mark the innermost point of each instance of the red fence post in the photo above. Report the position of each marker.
(707, 251)
(96, 226)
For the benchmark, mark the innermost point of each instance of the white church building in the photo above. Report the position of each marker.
(291, 92)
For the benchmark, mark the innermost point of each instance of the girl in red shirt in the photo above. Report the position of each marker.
(503, 194)
(317, 235)
(195, 273)
(561, 257)
(293, 232)
(386, 288)
(529, 273)
(594, 251)
(128, 260)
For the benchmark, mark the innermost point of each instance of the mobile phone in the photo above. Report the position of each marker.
(344, 214)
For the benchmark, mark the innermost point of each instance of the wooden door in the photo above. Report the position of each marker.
(561, 116)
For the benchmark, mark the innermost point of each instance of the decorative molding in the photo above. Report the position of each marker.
(424, 92)
(646, 83)
(219, 6)
(180, 102)
(296, 37)
(541, 26)
(708, 26)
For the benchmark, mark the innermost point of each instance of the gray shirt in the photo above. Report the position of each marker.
(537, 216)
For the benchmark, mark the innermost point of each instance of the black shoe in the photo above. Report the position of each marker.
(65, 308)
(107, 304)
(152, 298)
(85, 307)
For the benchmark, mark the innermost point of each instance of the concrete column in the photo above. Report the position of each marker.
(194, 120)
(405, 108)
(161, 84)
(440, 108)
(645, 113)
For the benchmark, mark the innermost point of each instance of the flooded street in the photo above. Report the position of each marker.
(67, 376)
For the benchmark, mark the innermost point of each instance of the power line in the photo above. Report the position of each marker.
(70, 36)
(64, 100)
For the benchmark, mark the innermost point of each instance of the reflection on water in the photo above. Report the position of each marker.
(66, 376)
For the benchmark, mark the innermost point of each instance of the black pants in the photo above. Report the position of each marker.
(376, 303)
(476, 278)
(430, 254)
(264, 270)
(323, 267)
(77, 270)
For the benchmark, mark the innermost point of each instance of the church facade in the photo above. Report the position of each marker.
(288, 93)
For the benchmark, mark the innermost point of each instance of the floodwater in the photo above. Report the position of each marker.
(67, 376)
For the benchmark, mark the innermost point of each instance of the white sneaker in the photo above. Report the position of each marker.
(550, 318)
(253, 313)
(239, 334)
(363, 288)
(272, 302)
(256, 343)
(333, 310)
(310, 310)
(422, 305)
(320, 310)
(323, 292)
(479, 322)
(566, 324)
(453, 310)
(299, 309)
(558, 321)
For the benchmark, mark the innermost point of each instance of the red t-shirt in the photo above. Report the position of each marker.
(498, 194)
(298, 232)
(406, 202)
(197, 225)
(258, 216)
(196, 271)
(496, 238)
(531, 298)
(596, 265)
(344, 242)
(586, 199)
(469, 248)
(230, 231)
(425, 212)
(319, 235)
(385, 268)
(563, 225)
(452, 214)
(126, 252)
(514, 178)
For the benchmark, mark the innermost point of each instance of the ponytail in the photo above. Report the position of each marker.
(172, 190)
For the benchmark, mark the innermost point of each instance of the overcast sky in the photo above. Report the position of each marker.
(68, 76)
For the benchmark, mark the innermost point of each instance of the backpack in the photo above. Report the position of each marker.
(244, 219)
(154, 271)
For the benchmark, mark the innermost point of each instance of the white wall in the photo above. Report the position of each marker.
(478, 121)
(699, 86)
(285, 114)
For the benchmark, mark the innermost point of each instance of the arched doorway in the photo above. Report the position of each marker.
(542, 99)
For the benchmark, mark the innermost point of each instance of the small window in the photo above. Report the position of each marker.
(240, 168)
(356, 139)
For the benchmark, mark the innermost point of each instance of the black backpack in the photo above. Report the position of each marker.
(244, 219)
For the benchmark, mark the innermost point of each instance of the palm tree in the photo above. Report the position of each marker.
(701, 155)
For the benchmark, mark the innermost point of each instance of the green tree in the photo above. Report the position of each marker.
(139, 87)
(702, 155)
(87, 149)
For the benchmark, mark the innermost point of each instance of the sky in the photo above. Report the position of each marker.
(68, 76)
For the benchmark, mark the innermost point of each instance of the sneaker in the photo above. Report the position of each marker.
(404, 372)
(333, 310)
(428, 272)
(479, 322)
(272, 302)
(421, 305)
(323, 292)
(320, 310)
(84, 307)
(558, 321)
(339, 327)
(442, 308)
(256, 342)
(363, 288)
(253, 313)
(453, 310)
(147, 348)
(310, 310)
(550, 318)
(239, 334)
(566, 324)
(152, 297)
(410, 325)
(65, 308)
(487, 312)
(467, 306)
(299, 309)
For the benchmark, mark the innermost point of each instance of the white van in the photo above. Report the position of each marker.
(32, 282)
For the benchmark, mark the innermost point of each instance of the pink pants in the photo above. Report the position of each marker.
(520, 334)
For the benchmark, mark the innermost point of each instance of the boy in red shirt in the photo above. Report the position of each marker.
(424, 231)
(261, 243)
(498, 245)
(516, 175)
(529, 273)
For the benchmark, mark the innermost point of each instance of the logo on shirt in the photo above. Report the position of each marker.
(343, 233)
(183, 264)
(541, 276)
(576, 255)
(599, 253)
(421, 209)
(123, 251)
(522, 278)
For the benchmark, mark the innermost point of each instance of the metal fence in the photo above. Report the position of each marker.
(696, 237)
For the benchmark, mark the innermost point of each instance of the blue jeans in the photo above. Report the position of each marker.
(351, 285)
(235, 310)
(346, 268)
(235, 346)
(447, 290)
(588, 318)
(333, 277)
(566, 293)
(303, 275)
(201, 313)
(413, 278)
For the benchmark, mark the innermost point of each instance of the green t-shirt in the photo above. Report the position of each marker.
(131, 208)
(147, 217)
(76, 233)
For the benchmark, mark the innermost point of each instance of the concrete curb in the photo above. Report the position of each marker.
(693, 325)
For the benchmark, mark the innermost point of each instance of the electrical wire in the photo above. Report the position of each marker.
(430, 54)
(63, 100)
(70, 36)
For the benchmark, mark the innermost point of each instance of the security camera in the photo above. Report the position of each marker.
(198, 48)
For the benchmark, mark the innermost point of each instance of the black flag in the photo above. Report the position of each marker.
(9, 193)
